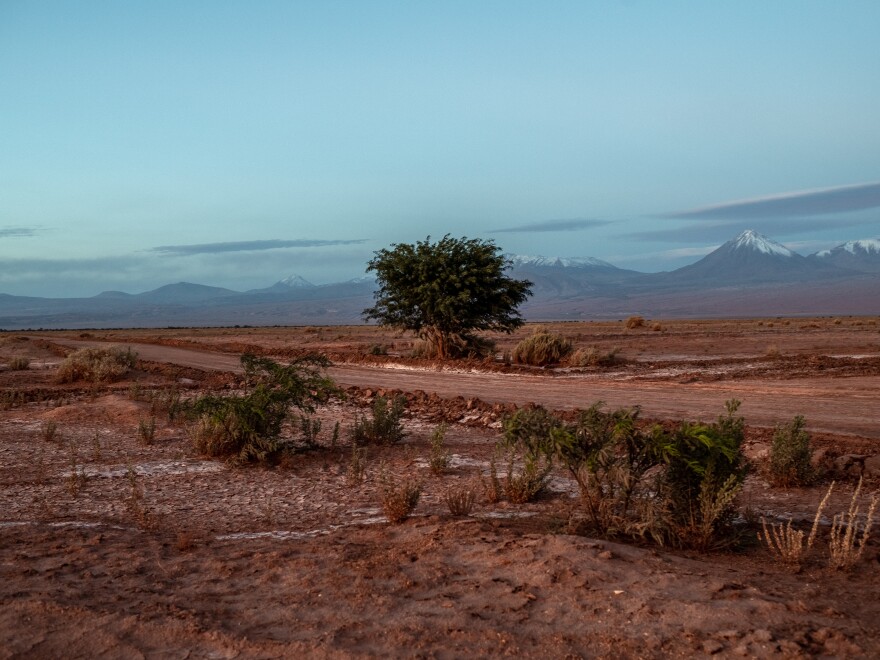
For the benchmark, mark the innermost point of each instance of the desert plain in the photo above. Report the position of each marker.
(118, 542)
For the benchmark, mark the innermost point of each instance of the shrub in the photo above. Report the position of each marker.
(790, 456)
(542, 348)
(384, 427)
(147, 431)
(529, 482)
(357, 466)
(439, 461)
(593, 357)
(705, 470)
(609, 458)
(247, 427)
(634, 322)
(674, 486)
(19, 363)
(399, 500)
(97, 365)
(460, 500)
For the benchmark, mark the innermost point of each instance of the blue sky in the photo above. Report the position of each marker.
(236, 143)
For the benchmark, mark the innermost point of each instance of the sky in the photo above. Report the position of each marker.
(237, 143)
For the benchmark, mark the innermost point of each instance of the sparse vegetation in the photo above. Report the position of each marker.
(634, 322)
(790, 456)
(19, 363)
(594, 357)
(849, 538)
(460, 500)
(542, 348)
(147, 430)
(399, 500)
(357, 466)
(96, 365)
(439, 461)
(786, 543)
(49, 430)
(696, 471)
(247, 427)
(384, 427)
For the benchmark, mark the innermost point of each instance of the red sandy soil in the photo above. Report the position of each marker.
(160, 552)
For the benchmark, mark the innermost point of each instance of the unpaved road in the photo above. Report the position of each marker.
(831, 405)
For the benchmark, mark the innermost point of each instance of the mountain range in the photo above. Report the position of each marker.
(749, 276)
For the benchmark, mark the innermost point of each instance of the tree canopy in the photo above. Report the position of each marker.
(444, 291)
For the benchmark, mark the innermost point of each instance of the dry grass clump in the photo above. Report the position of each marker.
(19, 363)
(49, 430)
(785, 543)
(399, 500)
(99, 365)
(147, 430)
(846, 546)
(594, 357)
(542, 348)
(460, 500)
(357, 466)
(847, 540)
(634, 322)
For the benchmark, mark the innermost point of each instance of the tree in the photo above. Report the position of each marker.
(444, 291)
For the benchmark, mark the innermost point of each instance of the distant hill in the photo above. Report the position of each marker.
(863, 256)
(750, 275)
(756, 259)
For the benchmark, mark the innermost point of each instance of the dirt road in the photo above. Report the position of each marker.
(831, 405)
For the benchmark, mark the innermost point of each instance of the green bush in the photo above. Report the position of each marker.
(542, 348)
(705, 470)
(247, 427)
(97, 365)
(384, 427)
(676, 487)
(790, 456)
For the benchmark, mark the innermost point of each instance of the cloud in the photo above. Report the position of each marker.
(248, 246)
(723, 231)
(18, 232)
(575, 224)
(840, 199)
(666, 255)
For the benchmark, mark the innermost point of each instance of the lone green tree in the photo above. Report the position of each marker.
(444, 291)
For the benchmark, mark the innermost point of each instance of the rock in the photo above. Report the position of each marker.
(850, 464)
(758, 452)
(712, 646)
(872, 466)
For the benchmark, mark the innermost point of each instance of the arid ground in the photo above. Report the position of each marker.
(115, 544)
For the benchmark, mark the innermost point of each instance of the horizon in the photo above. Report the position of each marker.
(294, 276)
(236, 145)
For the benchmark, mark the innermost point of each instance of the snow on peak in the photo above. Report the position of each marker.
(296, 282)
(752, 240)
(867, 245)
(563, 262)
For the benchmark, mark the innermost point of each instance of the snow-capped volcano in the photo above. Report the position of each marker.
(863, 255)
(752, 240)
(295, 282)
(752, 258)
